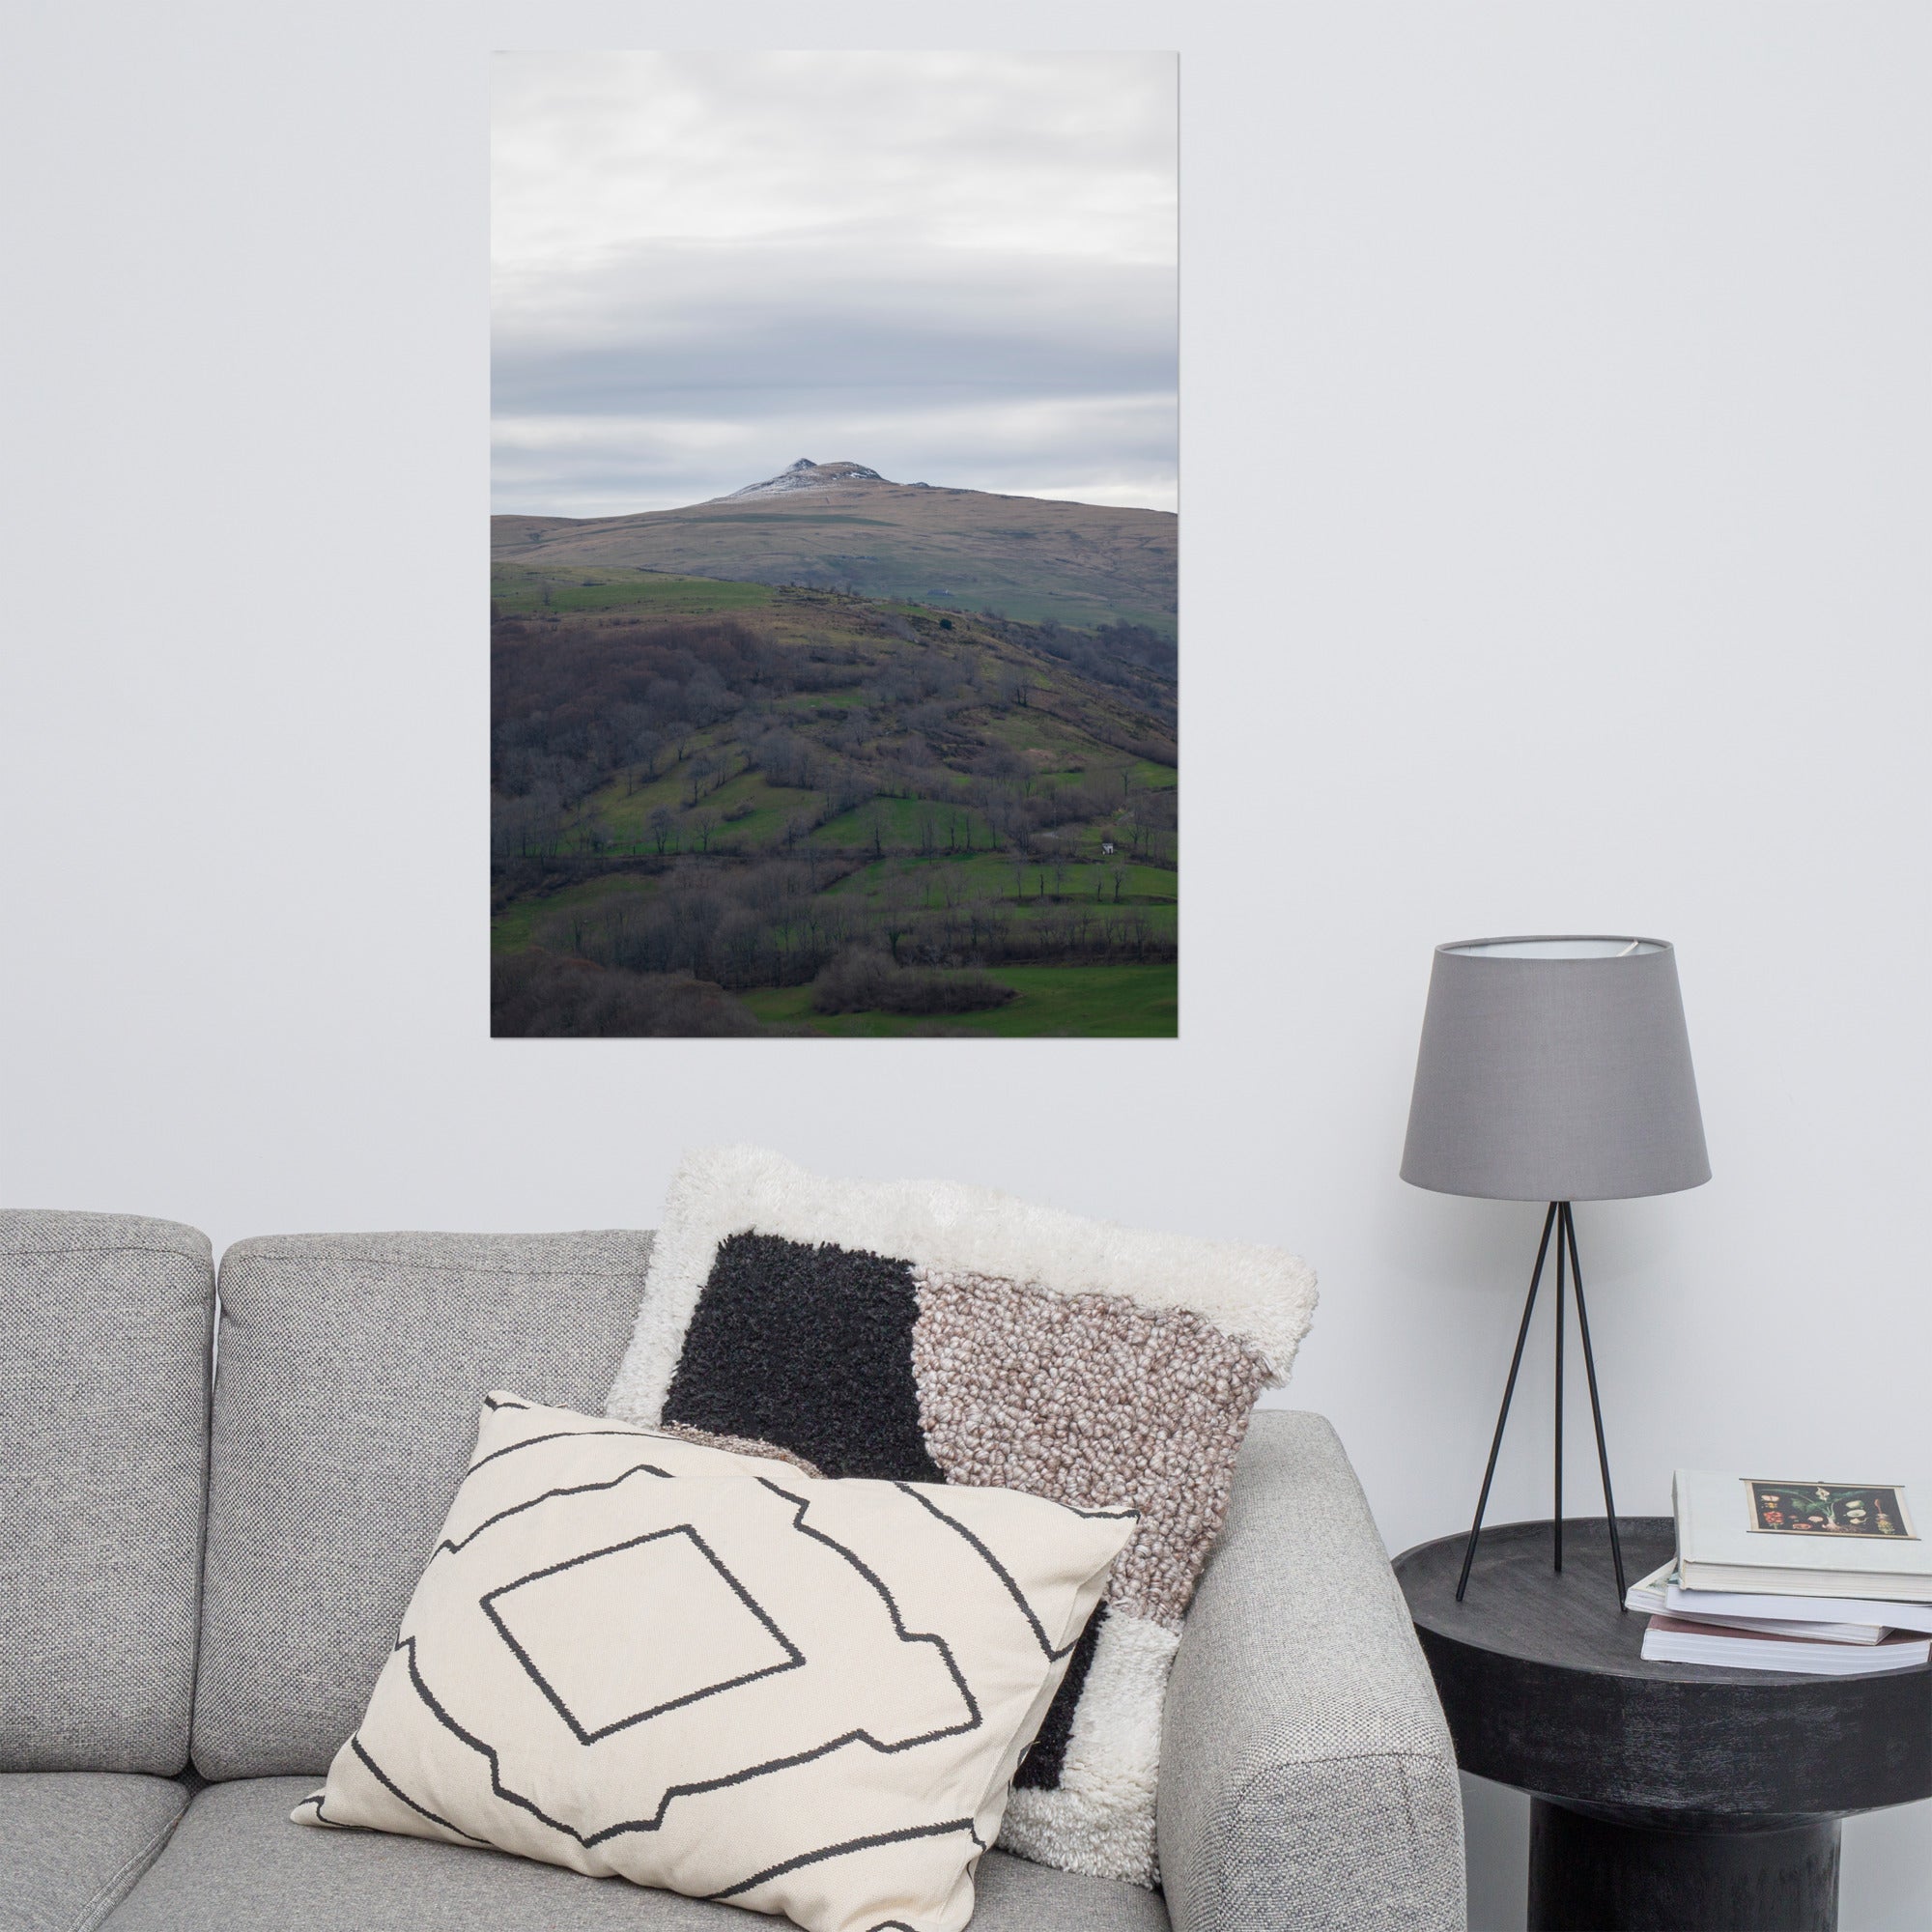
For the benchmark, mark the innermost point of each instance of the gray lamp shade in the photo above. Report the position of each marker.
(1556, 1069)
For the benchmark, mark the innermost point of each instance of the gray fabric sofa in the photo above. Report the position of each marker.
(200, 1576)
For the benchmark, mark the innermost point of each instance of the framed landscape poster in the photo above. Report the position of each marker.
(833, 581)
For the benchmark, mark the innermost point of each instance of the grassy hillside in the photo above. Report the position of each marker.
(1026, 557)
(803, 809)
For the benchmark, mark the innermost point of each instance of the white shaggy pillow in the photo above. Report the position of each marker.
(639, 1655)
(928, 1332)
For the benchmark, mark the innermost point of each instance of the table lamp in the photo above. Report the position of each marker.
(1554, 1069)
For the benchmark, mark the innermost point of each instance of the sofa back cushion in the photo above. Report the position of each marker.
(103, 1413)
(351, 1370)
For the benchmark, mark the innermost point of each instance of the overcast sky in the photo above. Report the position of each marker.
(958, 268)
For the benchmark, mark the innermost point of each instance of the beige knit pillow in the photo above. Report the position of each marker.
(636, 1655)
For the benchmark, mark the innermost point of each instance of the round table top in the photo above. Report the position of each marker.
(1544, 1686)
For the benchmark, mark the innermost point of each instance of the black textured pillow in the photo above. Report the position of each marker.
(926, 1332)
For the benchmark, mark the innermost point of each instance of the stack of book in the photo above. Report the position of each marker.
(1828, 1578)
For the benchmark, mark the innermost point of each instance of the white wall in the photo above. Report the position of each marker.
(1555, 509)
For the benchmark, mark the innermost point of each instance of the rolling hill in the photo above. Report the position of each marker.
(720, 806)
(841, 526)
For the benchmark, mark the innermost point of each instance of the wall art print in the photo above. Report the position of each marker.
(833, 663)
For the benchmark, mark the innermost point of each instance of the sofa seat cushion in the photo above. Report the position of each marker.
(345, 1406)
(237, 1864)
(104, 1411)
(71, 1842)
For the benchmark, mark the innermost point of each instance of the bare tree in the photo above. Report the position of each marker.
(705, 773)
(896, 915)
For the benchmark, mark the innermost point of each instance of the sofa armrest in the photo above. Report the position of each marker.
(1307, 1780)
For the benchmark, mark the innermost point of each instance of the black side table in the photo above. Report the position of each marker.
(1667, 1797)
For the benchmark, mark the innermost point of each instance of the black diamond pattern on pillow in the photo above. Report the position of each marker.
(603, 1676)
(808, 1348)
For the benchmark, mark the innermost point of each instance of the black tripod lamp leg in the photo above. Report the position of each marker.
(1509, 1389)
(1562, 1312)
(1596, 1406)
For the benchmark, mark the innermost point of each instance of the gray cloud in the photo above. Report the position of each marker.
(957, 269)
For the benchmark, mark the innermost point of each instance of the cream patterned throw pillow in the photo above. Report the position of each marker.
(637, 1654)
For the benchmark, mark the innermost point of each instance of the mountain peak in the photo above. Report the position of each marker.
(806, 475)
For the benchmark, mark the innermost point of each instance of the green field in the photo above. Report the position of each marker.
(516, 924)
(994, 875)
(1072, 1002)
(905, 822)
(522, 589)
(745, 814)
